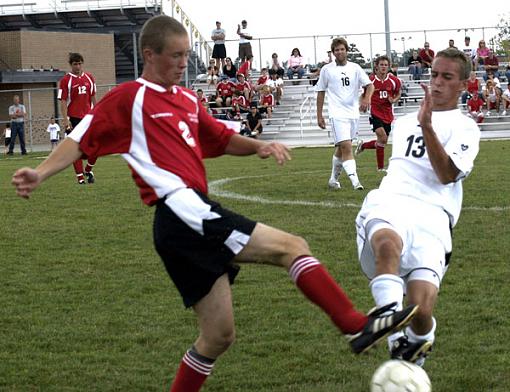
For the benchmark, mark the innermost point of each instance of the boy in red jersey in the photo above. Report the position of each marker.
(77, 95)
(475, 105)
(164, 133)
(387, 92)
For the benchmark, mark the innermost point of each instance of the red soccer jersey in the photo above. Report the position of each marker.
(225, 88)
(267, 100)
(263, 80)
(244, 68)
(163, 135)
(473, 87)
(240, 101)
(241, 86)
(380, 107)
(475, 104)
(77, 91)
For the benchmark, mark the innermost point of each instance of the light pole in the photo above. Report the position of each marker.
(403, 39)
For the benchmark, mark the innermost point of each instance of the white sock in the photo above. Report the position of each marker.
(388, 288)
(430, 336)
(350, 169)
(336, 168)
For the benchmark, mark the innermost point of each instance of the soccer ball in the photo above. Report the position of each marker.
(400, 376)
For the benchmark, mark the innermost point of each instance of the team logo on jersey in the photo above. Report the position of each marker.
(464, 147)
(158, 115)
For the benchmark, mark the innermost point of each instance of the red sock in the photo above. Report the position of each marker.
(319, 287)
(191, 374)
(379, 152)
(78, 167)
(90, 164)
(369, 145)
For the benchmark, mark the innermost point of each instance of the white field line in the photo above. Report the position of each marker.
(215, 188)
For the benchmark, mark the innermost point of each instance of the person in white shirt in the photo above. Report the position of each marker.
(404, 227)
(54, 131)
(341, 80)
(244, 41)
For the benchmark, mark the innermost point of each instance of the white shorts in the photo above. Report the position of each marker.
(344, 129)
(423, 228)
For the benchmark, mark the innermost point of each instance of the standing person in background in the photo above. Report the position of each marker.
(199, 241)
(17, 113)
(427, 55)
(244, 41)
(77, 95)
(54, 131)
(386, 93)
(342, 80)
(468, 50)
(219, 51)
(404, 227)
(451, 44)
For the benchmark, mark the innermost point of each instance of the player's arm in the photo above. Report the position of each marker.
(368, 90)
(441, 162)
(63, 110)
(26, 179)
(320, 105)
(242, 145)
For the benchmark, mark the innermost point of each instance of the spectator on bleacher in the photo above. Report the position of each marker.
(230, 69)
(244, 86)
(507, 73)
(468, 50)
(276, 85)
(239, 105)
(225, 89)
(505, 99)
(427, 55)
(474, 107)
(296, 64)
(266, 102)
(394, 69)
(245, 67)
(276, 67)
(202, 99)
(415, 65)
(244, 41)
(492, 96)
(472, 88)
(451, 44)
(254, 121)
(213, 73)
(497, 83)
(262, 80)
(219, 51)
(481, 53)
(491, 65)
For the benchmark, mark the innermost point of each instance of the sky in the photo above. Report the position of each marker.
(282, 18)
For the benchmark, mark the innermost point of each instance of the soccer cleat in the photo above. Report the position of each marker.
(90, 177)
(359, 148)
(358, 186)
(334, 185)
(379, 325)
(81, 182)
(383, 170)
(503, 113)
(410, 351)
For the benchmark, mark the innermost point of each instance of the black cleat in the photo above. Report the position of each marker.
(381, 322)
(90, 177)
(414, 352)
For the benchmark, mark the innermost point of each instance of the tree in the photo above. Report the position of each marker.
(355, 55)
(503, 36)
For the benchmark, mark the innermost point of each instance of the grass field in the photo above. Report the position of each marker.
(86, 305)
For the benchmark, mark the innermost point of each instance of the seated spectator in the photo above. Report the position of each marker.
(427, 55)
(202, 99)
(394, 69)
(225, 89)
(239, 105)
(415, 65)
(481, 53)
(296, 64)
(254, 121)
(507, 73)
(475, 106)
(244, 86)
(262, 80)
(497, 83)
(245, 67)
(266, 102)
(230, 69)
(315, 71)
(276, 85)
(491, 96)
(491, 64)
(472, 88)
(276, 67)
(505, 98)
(451, 44)
(212, 74)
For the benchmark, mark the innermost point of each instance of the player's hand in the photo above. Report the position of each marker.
(25, 180)
(425, 113)
(363, 105)
(280, 152)
(321, 122)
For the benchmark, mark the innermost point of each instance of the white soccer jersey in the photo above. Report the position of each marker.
(342, 84)
(410, 172)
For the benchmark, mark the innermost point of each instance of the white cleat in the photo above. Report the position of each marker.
(334, 185)
(358, 186)
(359, 148)
(382, 170)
